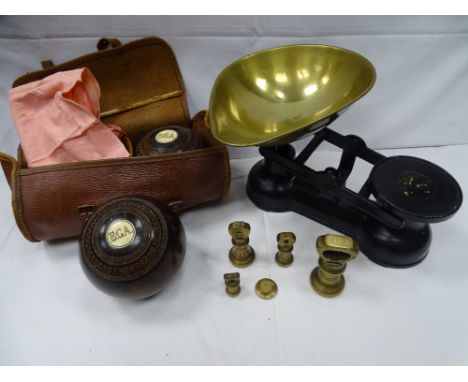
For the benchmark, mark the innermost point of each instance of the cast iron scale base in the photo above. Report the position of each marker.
(393, 230)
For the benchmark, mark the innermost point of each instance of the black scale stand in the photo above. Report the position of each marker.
(393, 230)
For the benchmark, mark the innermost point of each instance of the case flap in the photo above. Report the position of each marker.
(141, 85)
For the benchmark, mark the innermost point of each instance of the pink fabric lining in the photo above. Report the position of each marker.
(57, 120)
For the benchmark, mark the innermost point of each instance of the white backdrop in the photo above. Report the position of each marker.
(51, 314)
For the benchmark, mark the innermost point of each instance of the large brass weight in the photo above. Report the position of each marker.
(335, 252)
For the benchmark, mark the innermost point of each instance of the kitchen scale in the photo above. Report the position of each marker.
(273, 97)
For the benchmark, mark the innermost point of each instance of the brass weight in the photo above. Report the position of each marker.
(284, 256)
(232, 282)
(241, 254)
(266, 288)
(335, 252)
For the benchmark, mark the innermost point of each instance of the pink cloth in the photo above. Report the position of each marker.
(57, 120)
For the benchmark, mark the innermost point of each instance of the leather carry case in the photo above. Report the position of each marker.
(141, 89)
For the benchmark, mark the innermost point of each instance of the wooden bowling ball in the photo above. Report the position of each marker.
(169, 140)
(131, 247)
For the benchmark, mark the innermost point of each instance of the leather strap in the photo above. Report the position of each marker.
(9, 165)
(85, 211)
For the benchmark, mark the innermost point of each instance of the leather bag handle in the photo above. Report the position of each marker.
(47, 64)
(105, 42)
(102, 44)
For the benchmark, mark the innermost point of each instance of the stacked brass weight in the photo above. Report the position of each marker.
(232, 282)
(241, 254)
(335, 252)
(284, 256)
(169, 140)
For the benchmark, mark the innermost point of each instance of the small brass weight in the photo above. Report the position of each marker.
(241, 254)
(284, 256)
(232, 281)
(335, 251)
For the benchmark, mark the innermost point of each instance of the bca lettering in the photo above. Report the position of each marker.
(119, 233)
(168, 135)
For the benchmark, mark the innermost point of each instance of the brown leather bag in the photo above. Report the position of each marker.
(141, 89)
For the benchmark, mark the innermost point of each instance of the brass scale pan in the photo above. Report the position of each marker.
(275, 96)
